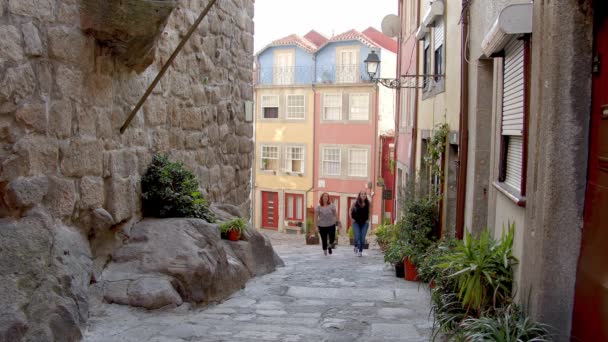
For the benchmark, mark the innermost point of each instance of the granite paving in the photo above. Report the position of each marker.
(339, 297)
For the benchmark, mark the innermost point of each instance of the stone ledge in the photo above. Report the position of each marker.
(130, 28)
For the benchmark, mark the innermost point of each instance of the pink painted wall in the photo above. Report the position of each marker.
(344, 133)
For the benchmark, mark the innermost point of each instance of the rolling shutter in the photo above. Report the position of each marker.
(515, 147)
(439, 33)
(513, 89)
(513, 111)
(427, 41)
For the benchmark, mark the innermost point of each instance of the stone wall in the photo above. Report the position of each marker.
(64, 96)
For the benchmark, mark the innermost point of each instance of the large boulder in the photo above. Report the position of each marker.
(170, 261)
(45, 270)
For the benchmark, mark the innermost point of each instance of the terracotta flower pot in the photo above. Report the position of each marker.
(233, 235)
(410, 270)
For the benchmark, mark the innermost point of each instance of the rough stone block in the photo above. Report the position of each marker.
(68, 44)
(33, 115)
(19, 83)
(153, 293)
(68, 13)
(232, 145)
(41, 9)
(10, 44)
(40, 154)
(24, 192)
(155, 109)
(196, 141)
(245, 145)
(60, 119)
(33, 44)
(91, 192)
(121, 163)
(61, 197)
(101, 219)
(86, 120)
(120, 198)
(70, 82)
(82, 157)
(245, 130)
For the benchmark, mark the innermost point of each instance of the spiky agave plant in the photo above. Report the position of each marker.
(506, 325)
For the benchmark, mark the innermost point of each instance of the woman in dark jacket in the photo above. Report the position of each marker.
(360, 213)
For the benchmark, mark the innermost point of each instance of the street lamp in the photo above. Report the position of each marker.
(372, 63)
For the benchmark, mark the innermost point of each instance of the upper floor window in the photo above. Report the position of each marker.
(294, 159)
(331, 161)
(332, 106)
(295, 107)
(284, 67)
(270, 157)
(427, 59)
(270, 106)
(438, 44)
(347, 65)
(357, 162)
(358, 107)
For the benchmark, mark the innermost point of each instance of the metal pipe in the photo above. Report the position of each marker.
(166, 66)
(464, 122)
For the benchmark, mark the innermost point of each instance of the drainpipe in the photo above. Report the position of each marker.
(464, 122)
(397, 112)
(414, 143)
(314, 134)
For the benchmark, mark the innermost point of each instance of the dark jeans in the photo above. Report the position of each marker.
(327, 231)
(359, 230)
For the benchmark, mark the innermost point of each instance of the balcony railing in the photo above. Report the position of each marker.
(326, 74)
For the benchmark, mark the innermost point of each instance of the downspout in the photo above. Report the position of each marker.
(376, 138)
(414, 143)
(314, 130)
(464, 121)
(397, 111)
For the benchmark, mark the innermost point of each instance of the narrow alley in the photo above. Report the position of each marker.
(313, 298)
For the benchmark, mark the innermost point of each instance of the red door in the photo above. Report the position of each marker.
(270, 210)
(351, 201)
(590, 317)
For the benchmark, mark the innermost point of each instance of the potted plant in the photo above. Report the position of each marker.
(312, 236)
(233, 228)
(394, 254)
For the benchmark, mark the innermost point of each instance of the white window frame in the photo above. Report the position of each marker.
(351, 163)
(290, 115)
(284, 74)
(264, 156)
(289, 158)
(347, 73)
(325, 106)
(351, 115)
(264, 104)
(325, 161)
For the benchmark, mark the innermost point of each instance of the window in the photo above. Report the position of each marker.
(358, 107)
(331, 161)
(332, 106)
(295, 106)
(270, 157)
(270, 106)
(294, 159)
(357, 162)
(439, 34)
(284, 70)
(346, 68)
(513, 115)
(427, 59)
(294, 207)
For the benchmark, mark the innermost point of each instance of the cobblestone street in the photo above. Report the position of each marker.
(313, 298)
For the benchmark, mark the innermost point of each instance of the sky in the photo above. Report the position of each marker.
(275, 19)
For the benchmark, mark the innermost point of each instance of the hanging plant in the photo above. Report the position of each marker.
(436, 148)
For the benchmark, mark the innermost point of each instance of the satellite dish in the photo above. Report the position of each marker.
(391, 25)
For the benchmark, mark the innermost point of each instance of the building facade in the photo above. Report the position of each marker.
(317, 125)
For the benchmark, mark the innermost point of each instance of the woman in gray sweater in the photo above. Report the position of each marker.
(325, 219)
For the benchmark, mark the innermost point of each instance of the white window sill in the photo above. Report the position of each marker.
(510, 193)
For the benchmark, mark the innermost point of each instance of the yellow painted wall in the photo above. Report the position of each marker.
(283, 132)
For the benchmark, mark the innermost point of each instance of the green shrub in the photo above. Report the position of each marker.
(396, 251)
(428, 261)
(236, 224)
(170, 190)
(509, 324)
(416, 227)
(483, 270)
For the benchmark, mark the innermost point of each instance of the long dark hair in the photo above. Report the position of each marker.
(360, 202)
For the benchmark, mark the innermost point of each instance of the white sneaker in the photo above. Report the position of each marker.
(360, 254)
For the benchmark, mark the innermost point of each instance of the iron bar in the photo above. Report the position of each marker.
(166, 66)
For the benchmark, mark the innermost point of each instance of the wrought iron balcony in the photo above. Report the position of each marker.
(325, 74)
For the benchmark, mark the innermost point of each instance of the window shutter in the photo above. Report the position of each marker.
(439, 32)
(514, 161)
(513, 89)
